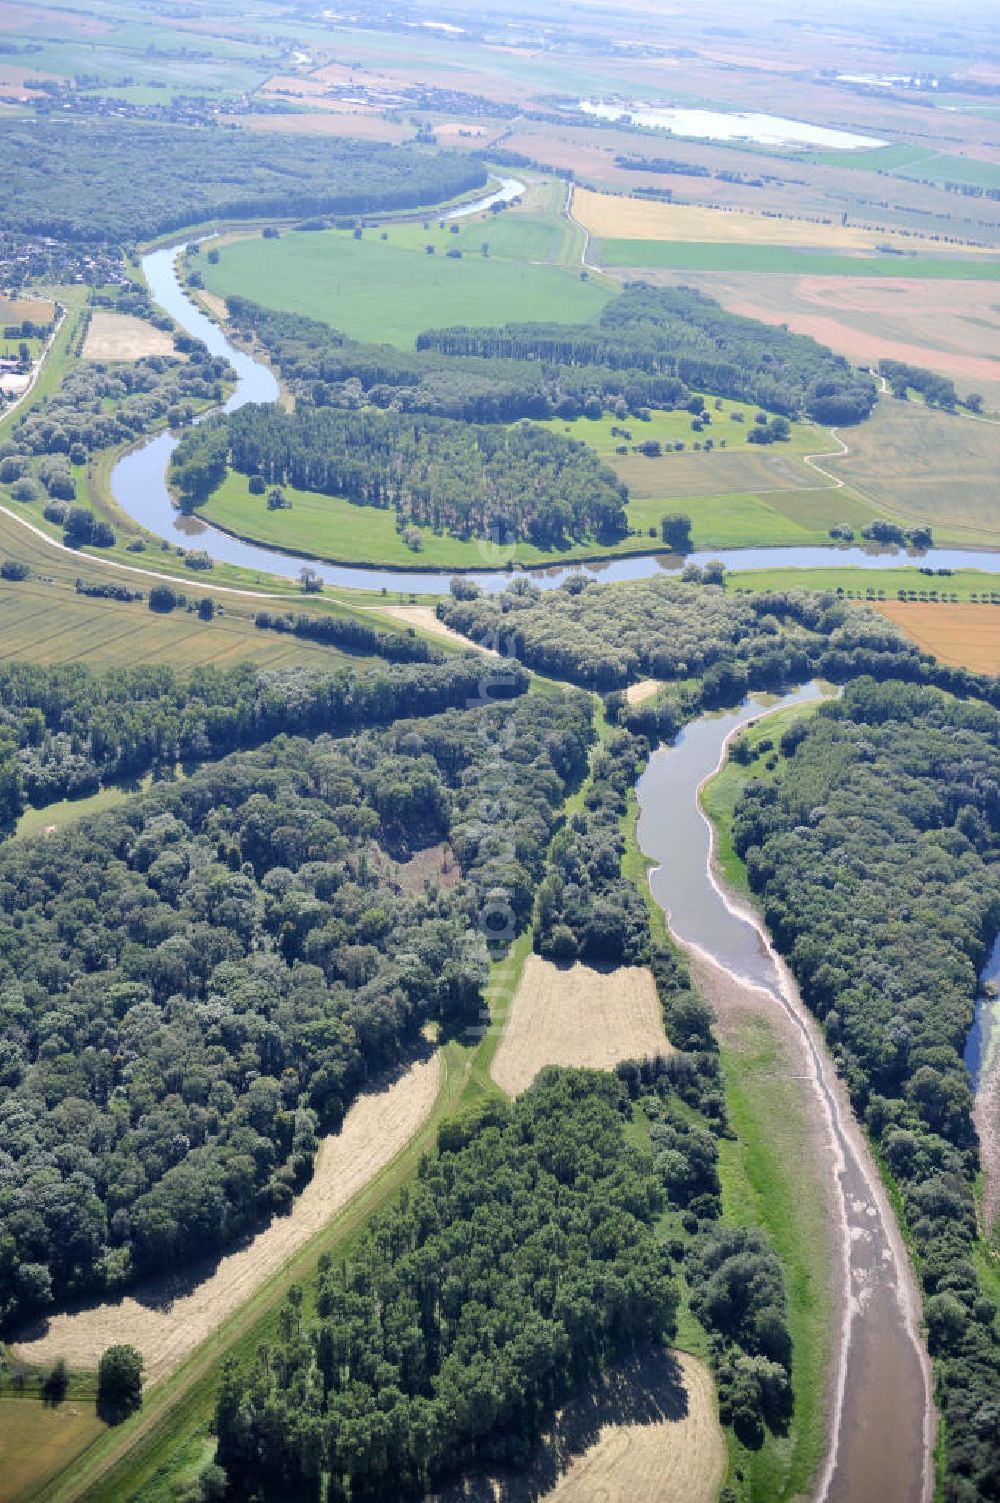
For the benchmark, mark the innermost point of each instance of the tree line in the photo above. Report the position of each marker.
(326, 368)
(875, 849)
(196, 984)
(678, 331)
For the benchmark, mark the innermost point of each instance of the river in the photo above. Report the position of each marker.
(880, 1402)
(138, 484)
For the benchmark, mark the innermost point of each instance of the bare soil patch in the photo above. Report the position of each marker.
(951, 327)
(966, 635)
(168, 1317)
(577, 1015)
(424, 618)
(120, 336)
(38, 310)
(637, 694)
(213, 303)
(435, 864)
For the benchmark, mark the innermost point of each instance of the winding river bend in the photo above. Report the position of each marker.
(882, 1417)
(138, 484)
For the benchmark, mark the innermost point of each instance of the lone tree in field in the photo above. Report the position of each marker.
(119, 1383)
(675, 530)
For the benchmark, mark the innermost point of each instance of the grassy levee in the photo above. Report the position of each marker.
(766, 1182)
(862, 583)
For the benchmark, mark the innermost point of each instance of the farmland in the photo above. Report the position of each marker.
(934, 467)
(576, 1015)
(389, 291)
(947, 326)
(967, 635)
(38, 1441)
(613, 218)
(50, 623)
(737, 257)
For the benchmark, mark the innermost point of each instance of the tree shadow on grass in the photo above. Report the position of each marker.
(646, 1388)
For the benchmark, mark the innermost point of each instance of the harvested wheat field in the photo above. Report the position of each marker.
(613, 217)
(577, 1015)
(646, 1431)
(119, 336)
(167, 1318)
(966, 635)
(637, 694)
(424, 618)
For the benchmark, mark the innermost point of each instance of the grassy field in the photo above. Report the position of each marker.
(872, 584)
(715, 256)
(767, 1181)
(731, 420)
(388, 291)
(39, 1440)
(49, 623)
(333, 528)
(934, 467)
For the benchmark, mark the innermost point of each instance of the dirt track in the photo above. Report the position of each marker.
(167, 1318)
(576, 1015)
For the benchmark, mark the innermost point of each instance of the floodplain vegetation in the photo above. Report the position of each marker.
(876, 816)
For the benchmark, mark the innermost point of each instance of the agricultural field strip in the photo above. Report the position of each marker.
(167, 1326)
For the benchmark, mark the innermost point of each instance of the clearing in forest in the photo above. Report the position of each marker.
(119, 336)
(168, 1317)
(966, 635)
(636, 694)
(577, 1015)
(646, 1431)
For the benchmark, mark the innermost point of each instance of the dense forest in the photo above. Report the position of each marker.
(196, 984)
(468, 480)
(678, 331)
(525, 1258)
(325, 367)
(66, 730)
(650, 347)
(875, 849)
(120, 181)
(677, 629)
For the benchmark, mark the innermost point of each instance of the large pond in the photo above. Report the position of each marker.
(725, 125)
(138, 484)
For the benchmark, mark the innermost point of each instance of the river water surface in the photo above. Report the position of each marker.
(880, 1405)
